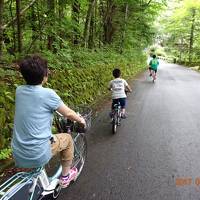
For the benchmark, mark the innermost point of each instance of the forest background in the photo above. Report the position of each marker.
(84, 40)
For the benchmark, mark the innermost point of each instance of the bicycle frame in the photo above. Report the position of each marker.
(22, 179)
(17, 182)
(117, 110)
(153, 75)
(116, 118)
(37, 184)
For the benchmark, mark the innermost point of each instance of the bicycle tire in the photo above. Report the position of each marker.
(80, 146)
(114, 125)
(54, 195)
(119, 117)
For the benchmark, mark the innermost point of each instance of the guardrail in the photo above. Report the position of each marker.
(168, 59)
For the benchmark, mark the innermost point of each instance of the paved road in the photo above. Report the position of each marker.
(156, 145)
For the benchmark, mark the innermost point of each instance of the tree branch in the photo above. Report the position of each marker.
(146, 4)
(149, 2)
(21, 13)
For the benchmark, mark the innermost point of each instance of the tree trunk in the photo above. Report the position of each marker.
(21, 13)
(51, 16)
(33, 24)
(108, 22)
(14, 43)
(19, 33)
(91, 35)
(1, 31)
(192, 34)
(61, 5)
(95, 17)
(88, 22)
(61, 9)
(101, 23)
(40, 25)
(75, 20)
(124, 29)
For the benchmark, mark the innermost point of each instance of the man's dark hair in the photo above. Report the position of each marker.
(33, 69)
(116, 73)
(154, 56)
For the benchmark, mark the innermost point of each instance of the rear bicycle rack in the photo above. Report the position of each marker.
(9, 188)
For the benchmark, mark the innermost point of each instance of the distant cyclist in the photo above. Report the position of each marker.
(153, 66)
(119, 86)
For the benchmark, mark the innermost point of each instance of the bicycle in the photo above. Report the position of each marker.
(116, 117)
(153, 75)
(37, 184)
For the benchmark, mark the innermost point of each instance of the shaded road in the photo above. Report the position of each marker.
(158, 143)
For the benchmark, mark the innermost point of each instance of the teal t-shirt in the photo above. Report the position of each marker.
(154, 63)
(34, 107)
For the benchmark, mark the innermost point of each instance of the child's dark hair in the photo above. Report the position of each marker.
(154, 56)
(116, 73)
(33, 69)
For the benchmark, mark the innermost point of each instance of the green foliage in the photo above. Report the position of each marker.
(88, 79)
(157, 50)
(61, 59)
(53, 25)
(5, 153)
(83, 79)
(8, 83)
(180, 32)
(57, 30)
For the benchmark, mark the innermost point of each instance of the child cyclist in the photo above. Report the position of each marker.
(119, 87)
(153, 67)
(33, 143)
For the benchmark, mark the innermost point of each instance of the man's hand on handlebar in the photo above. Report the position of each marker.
(82, 121)
(70, 114)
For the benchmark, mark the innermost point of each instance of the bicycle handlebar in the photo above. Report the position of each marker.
(66, 125)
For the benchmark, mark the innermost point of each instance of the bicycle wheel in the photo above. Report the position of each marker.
(114, 124)
(80, 151)
(52, 196)
(119, 117)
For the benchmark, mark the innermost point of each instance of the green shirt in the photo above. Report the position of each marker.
(154, 63)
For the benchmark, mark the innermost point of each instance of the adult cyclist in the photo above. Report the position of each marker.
(33, 143)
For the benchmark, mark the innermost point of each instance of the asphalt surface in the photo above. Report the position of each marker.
(156, 153)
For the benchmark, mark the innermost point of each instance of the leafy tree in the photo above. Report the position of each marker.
(181, 30)
(80, 38)
(47, 25)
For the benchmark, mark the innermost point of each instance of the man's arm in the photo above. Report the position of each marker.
(70, 114)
